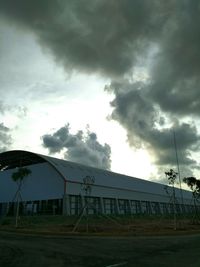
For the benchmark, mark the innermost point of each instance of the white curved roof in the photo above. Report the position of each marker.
(75, 173)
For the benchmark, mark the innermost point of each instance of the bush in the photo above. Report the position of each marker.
(5, 221)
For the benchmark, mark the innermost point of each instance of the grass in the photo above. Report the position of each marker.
(120, 225)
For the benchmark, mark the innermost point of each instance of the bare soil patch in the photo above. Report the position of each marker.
(93, 225)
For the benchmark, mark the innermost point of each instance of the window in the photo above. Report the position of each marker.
(110, 206)
(164, 208)
(93, 205)
(75, 204)
(145, 207)
(124, 207)
(155, 208)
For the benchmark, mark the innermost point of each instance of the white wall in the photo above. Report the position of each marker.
(112, 192)
(43, 183)
(109, 184)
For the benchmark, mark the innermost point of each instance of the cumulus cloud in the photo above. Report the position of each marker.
(147, 128)
(5, 138)
(115, 39)
(103, 36)
(84, 149)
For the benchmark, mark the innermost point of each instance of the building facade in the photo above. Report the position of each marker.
(57, 186)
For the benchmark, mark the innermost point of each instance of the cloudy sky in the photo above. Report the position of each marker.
(103, 83)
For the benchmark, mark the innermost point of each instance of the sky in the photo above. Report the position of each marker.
(108, 84)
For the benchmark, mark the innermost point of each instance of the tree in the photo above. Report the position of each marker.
(171, 176)
(194, 185)
(18, 177)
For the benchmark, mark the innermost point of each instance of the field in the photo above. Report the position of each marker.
(123, 241)
(109, 225)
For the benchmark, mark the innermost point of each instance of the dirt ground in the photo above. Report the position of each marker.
(117, 226)
(50, 241)
(22, 250)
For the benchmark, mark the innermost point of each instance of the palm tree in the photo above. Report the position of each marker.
(18, 177)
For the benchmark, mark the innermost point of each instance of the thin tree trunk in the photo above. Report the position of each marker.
(17, 211)
(18, 202)
(174, 208)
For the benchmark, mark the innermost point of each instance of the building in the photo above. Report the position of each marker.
(57, 186)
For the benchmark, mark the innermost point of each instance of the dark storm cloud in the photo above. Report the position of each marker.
(5, 138)
(78, 147)
(113, 38)
(175, 70)
(101, 36)
(144, 123)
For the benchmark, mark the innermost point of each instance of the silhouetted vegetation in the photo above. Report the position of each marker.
(171, 176)
(194, 185)
(18, 177)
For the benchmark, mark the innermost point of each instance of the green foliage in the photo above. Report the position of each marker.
(194, 185)
(20, 174)
(18, 177)
(171, 176)
(6, 221)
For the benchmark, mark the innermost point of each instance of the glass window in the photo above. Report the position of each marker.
(93, 205)
(124, 207)
(75, 204)
(155, 208)
(110, 206)
(145, 207)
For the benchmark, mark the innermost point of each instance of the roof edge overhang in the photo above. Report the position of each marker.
(21, 158)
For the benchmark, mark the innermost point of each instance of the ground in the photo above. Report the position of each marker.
(142, 242)
(20, 250)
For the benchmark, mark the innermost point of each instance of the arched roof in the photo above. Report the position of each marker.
(20, 158)
(74, 172)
